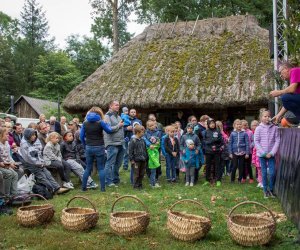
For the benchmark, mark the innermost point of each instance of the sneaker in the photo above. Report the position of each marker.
(206, 183)
(4, 210)
(191, 184)
(251, 181)
(271, 194)
(173, 180)
(266, 195)
(66, 185)
(62, 190)
(218, 184)
(92, 185)
(112, 185)
(71, 184)
(243, 181)
(157, 185)
(187, 184)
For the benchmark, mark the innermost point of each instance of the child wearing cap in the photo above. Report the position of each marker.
(191, 162)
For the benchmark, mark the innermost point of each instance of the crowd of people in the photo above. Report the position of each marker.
(110, 141)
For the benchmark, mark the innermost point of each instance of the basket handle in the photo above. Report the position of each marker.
(32, 195)
(129, 196)
(84, 198)
(252, 202)
(190, 201)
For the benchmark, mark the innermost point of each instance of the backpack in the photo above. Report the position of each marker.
(42, 190)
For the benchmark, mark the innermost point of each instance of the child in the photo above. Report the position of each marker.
(191, 161)
(138, 156)
(70, 155)
(190, 135)
(153, 132)
(53, 159)
(213, 142)
(248, 161)
(31, 152)
(125, 117)
(225, 160)
(238, 149)
(255, 158)
(266, 138)
(172, 147)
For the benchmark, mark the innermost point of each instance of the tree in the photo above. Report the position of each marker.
(34, 30)
(110, 20)
(55, 75)
(292, 31)
(149, 11)
(87, 54)
(8, 78)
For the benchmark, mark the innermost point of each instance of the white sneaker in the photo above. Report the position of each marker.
(66, 185)
(187, 184)
(71, 186)
(191, 184)
(157, 185)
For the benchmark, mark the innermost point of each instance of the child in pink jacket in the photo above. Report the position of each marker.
(266, 139)
(255, 158)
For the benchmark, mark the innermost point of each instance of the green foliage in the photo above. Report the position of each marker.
(34, 30)
(8, 77)
(55, 75)
(110, 20)
(292, 31)
(151, 11)
(87, 54)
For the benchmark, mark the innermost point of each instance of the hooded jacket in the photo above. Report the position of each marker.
(51, 153)
(91, 132)
(31, 151)
(116, 136)
(192, 137)
(266, 139)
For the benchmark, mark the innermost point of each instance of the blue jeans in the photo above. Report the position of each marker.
(264, 164)
(170, 167)
(125, 163)
(153, 176)
(115, 156)
(291, 102)
(92, 153)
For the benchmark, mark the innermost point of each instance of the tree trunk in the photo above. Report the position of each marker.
(115, 27)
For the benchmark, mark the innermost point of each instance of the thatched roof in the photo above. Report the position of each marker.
(212, 63)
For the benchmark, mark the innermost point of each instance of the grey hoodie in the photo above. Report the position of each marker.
(116, 138)
(51, 153)
(31, 151)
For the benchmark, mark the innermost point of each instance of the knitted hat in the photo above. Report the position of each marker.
(124, 109)
(189, 142)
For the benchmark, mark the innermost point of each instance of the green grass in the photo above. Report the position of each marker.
(54, 236)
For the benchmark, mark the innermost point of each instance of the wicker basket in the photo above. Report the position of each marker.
(78, 218)
(249, 229)
(30, 216)
(188, 227)
(129, 223)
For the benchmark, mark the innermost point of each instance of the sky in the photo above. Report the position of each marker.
(65, 17)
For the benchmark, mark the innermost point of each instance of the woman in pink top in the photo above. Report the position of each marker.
(290, 96)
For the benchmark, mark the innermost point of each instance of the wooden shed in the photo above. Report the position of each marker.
(30, 107)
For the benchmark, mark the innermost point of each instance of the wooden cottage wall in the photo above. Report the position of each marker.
(23, 109)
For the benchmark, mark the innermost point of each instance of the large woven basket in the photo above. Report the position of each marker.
(188, 227)
(30, 216)
(128, 223)
(249, 229)
(78, 218)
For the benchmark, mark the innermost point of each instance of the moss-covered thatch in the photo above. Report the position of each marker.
(223, 62)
